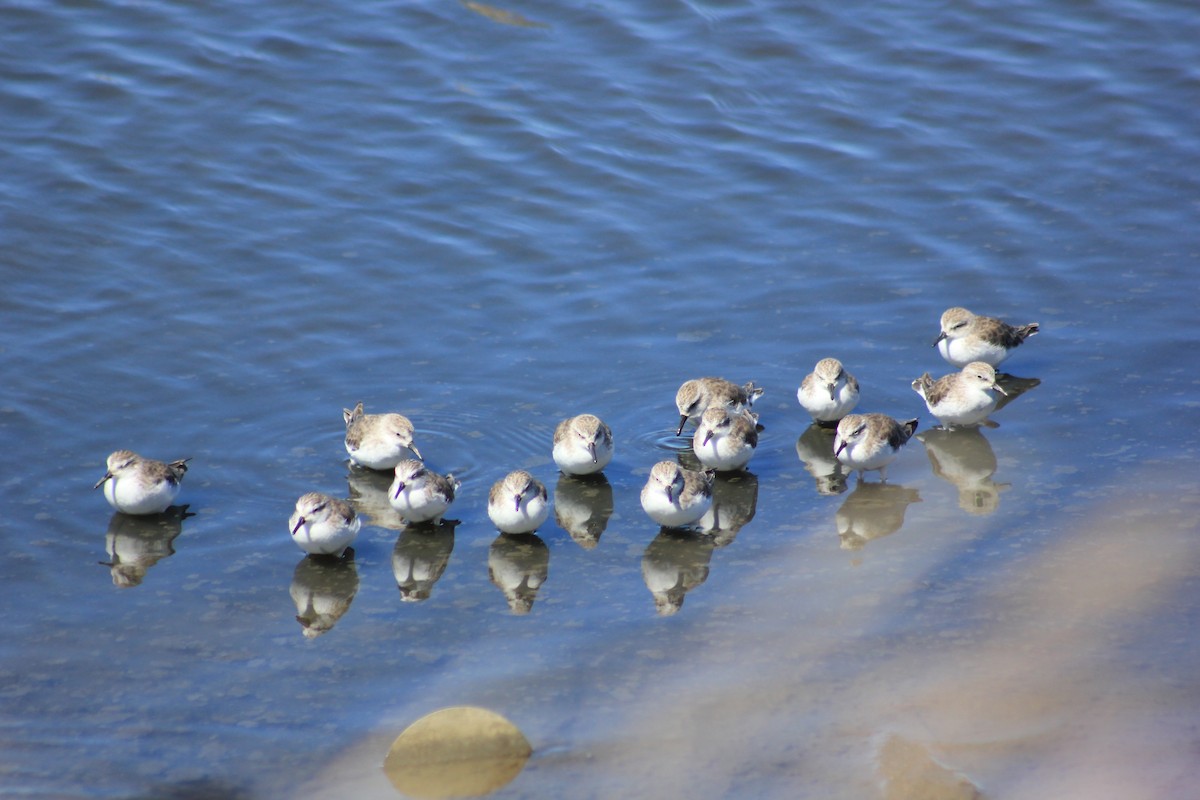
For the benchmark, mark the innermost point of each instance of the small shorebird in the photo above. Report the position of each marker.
(960, 398)
(674, 497)
(323, 525)
(419, 494)
(725, 440)
(136, 485)
(583, 445)
(697, 395)
(517, 503)
(378, 441)
(967, 337)
(828, 393)
(870, 441)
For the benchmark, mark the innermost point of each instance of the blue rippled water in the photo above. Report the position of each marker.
(220, 224)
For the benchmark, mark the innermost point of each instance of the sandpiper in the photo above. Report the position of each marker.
(870, 441)
(323, 525)
(136, 485)
(725, 440)
(960, 398)
(967, 337)
(517, 503)
(828, 393)
(674, 497)
(697, 395)
(583, 445)
(419, 494)
(378, 441)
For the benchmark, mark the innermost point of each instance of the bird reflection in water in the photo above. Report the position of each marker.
(582, 506)
(734, 502)
(368, 493)
(518, 564)
(964, 458)
(872, 511)
(1013, 388)
(815, 450)
(322, 589)
(420, 557)
(136, 543)
(674, 563)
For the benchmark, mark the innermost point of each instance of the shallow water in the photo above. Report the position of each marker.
(222, 225)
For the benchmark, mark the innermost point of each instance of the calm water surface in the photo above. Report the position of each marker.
(221, 224)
